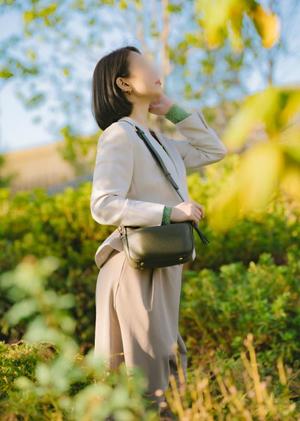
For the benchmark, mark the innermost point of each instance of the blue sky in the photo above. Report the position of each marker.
(17, 130)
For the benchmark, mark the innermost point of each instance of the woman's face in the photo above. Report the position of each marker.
(144, 78)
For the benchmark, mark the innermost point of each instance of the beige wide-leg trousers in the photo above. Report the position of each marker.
(137, 315)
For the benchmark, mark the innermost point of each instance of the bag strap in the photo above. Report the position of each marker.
(161, 163)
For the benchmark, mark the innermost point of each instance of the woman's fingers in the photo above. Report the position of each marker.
(198, 211)
(202, 211)
(197, 215)
(191, 210)
(201, 207)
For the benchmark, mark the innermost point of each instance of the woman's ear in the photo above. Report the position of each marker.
(123, 85)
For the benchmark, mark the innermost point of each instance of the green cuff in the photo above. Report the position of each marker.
(176, 114)
(166, 215)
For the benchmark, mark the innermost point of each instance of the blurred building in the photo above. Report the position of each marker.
(40, 166)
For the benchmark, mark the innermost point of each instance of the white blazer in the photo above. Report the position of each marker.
(130, 188)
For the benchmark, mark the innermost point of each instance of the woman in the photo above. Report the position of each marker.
(137, 310)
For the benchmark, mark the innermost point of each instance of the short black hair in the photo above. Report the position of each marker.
(109, 102)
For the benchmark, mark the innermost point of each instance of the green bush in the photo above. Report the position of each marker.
(20, 359)
(45, 376)
(219, 309)
(61, 225)
(273, 231)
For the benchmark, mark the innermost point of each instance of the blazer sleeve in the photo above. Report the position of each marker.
(111, 182)
(201, 145)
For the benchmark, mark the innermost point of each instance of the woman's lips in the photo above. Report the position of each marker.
(158, 82)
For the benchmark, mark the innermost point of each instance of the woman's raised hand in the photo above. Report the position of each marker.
(161, 105)
(187, 211)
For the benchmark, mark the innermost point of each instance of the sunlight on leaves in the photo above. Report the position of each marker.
(267, 25)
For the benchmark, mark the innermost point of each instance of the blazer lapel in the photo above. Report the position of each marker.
(167, 157)
(168, 153)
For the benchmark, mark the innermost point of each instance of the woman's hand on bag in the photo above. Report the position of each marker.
(187, 211)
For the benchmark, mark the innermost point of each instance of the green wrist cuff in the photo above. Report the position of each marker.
(176, 114)
(166, 215)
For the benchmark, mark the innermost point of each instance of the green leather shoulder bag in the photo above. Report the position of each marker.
(162, 245)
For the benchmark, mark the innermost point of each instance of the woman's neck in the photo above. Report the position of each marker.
(140, 114)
